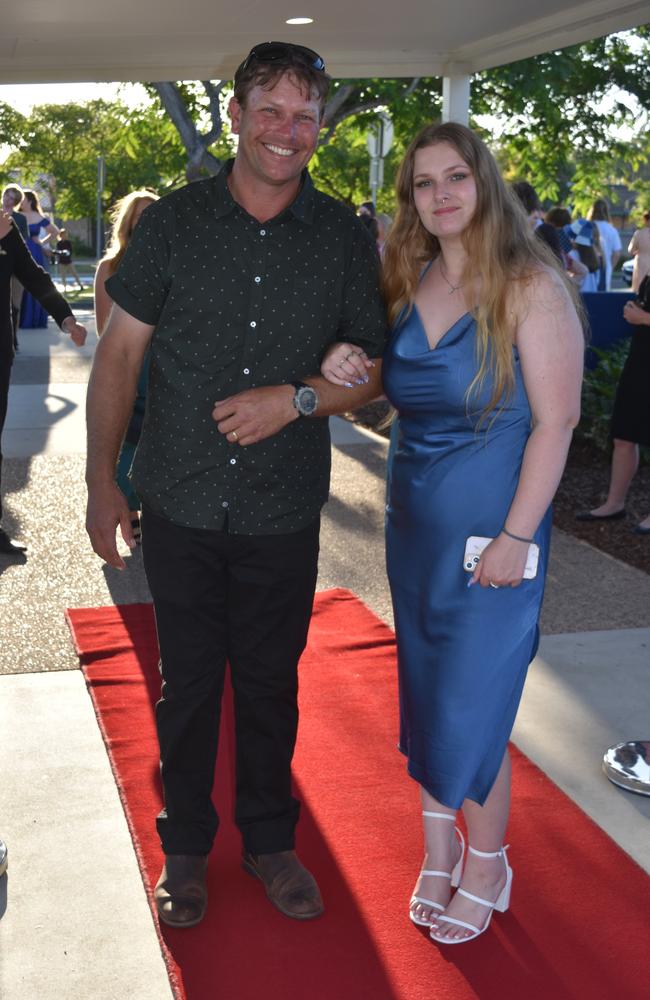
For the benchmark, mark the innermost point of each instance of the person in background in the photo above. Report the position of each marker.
(32, 314)
(237, 284)
(63, 255)
(640, 247)
(560, 219)
(532, 206)
(630, 425)
(585, 247)
(12, 197)
(124, 218)
(15, 259)
(384, 222)
(366, 208)
(484, 368)
(610, 240)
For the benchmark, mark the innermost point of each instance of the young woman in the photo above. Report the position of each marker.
(484, 368)
(32, 314)
(124, 217)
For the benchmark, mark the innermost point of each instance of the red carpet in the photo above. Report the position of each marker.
(578, 923)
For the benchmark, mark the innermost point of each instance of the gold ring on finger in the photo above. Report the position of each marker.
(235, 435)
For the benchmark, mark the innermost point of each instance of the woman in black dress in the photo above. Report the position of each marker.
(631, 415)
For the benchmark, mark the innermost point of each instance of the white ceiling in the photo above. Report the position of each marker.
(74, 40)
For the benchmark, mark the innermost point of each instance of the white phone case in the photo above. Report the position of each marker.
(476, 543)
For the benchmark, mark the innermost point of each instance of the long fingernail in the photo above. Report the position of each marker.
(348, 385)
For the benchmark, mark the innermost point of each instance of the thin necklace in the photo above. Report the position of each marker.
(452, 288)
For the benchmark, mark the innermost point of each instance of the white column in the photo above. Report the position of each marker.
(455, 97)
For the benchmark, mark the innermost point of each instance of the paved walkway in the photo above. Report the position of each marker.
(74, 922)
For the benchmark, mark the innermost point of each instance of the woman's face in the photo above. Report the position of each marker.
(444, 190)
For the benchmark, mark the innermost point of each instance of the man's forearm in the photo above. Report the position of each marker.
(109, 405)
(333, 399)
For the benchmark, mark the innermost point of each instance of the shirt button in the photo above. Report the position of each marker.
(253, 323)
(225, 503)
(257, 279)
(262, 232)
(233, 461)
(247, 371)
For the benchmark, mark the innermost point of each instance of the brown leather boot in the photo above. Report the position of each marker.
(181, 892)
(289, 886)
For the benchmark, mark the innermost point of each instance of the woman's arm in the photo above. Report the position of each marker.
(50, 231)
(103, 301)
(633, 245)
(551, 348)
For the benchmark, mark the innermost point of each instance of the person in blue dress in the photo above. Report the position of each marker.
(32, 314)
(484, 369)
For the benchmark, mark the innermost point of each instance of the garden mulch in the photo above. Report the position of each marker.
(583, 487)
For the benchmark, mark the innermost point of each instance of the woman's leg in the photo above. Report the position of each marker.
(625, 462)
(483, 877)
(441, 853)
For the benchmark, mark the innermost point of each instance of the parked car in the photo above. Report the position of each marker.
(626, 271)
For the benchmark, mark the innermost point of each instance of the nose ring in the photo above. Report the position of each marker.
(444, 199)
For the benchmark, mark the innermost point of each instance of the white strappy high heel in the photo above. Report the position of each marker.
(454, 875)
(501, 904)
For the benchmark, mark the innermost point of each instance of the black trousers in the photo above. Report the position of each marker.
(247, 600)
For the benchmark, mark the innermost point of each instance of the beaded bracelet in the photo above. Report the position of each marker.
(517, 538)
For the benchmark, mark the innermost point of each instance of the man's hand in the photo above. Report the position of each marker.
(106, 509)
(255, 414)
(76, 330)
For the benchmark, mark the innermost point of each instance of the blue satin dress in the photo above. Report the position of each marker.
(32, 314)
(463, 653)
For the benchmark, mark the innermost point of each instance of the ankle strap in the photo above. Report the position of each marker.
(450, 816)
(489, 854)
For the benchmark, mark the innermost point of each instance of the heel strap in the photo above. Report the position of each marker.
(489, 854)
(440, 816)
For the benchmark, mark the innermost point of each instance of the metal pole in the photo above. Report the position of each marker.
(100, 222)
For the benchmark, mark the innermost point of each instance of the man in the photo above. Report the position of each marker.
(12, 196)
(16, 260)
(238, 284)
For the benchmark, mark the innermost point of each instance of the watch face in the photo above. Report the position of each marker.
(306, 400)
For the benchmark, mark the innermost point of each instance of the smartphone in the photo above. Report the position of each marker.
(476, 543)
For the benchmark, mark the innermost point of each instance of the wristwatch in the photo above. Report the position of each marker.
(305, 399)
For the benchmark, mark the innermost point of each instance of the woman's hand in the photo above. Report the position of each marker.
(502, 563)
(633, 313)
(346, 364)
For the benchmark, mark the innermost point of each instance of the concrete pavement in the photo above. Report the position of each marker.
(59, 809)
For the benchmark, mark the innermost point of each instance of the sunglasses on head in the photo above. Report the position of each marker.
(269, 52)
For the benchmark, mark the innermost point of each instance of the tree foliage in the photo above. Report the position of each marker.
(558, 120)
(57, 146)
(560, 115)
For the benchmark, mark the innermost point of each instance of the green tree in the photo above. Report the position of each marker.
(558, 115)
(58, 147)
(553, 119)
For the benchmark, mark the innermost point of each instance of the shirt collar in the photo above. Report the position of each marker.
(302, 207)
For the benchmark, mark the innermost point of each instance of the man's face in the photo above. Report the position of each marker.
(278, 131)
(9, 202)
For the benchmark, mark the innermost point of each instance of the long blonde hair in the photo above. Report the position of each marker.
(501, 249)
(123, 224)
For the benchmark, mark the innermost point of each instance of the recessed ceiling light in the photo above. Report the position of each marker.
(300, 20)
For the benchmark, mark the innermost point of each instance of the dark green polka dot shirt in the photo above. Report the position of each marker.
(236, 304)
